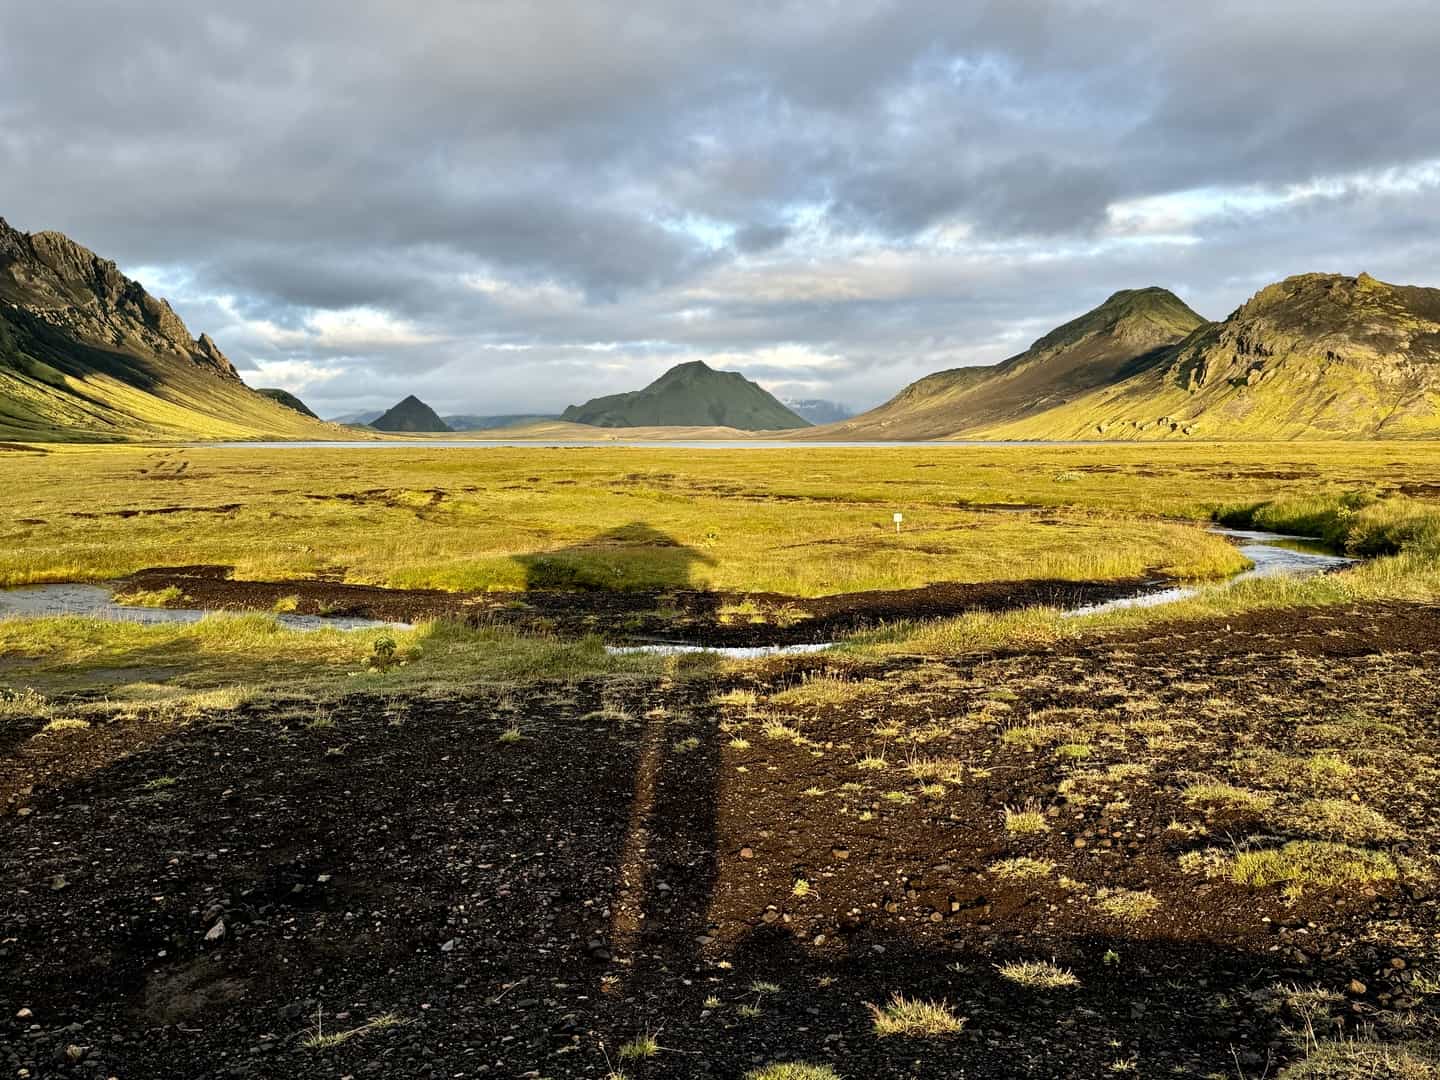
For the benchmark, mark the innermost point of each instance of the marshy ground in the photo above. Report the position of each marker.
(1196, 842)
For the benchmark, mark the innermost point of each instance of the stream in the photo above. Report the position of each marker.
(1271, 554)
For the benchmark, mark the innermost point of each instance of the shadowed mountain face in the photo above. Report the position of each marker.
(1126, 333)
(87, 354)
(289, 400)
(1313, 356)
(411, 414)
(690, 395)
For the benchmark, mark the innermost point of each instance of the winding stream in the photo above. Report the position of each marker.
(1271, 554)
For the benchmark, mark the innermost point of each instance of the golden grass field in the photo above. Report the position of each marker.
(797, 521)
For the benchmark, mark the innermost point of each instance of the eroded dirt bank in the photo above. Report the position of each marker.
(192, 900)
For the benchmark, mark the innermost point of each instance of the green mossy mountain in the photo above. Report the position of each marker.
(289, 400)
(87, 355)
(690, 395)
(410, 415)
(1313, 356)
(1099, 348)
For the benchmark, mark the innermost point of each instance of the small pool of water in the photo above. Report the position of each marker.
(98, 602)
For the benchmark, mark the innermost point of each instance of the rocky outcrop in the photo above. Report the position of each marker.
(70, 288)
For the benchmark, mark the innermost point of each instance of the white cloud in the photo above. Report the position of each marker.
(292, 375)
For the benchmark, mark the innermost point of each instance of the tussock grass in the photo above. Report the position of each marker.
(1022, 868)
(641, 1048)
(65, 725)
(1323, 771)
(1039, 975)
(319, 1040)
(1213, 793)
(935, 768)
(1357, 1059)
(1127, 905)
(150, 598)
(1340, 819)
(914, 1018)
(1303, 863)
(25, 703)
(793, 1070)
(1025, 820)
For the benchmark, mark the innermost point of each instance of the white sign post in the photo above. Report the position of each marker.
(899, 517)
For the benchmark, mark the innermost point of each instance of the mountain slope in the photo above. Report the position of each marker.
(86, 354)
(1313, 356)
(1124, 334)
(289, 400)
(410, 414)
(690, 395)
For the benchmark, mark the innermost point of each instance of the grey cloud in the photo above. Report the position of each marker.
(716, 181)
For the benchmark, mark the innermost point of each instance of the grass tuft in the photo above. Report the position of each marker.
(914, 1018)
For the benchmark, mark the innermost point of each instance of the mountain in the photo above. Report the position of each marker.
(466, 422)
(1313, 356)
(1106, 345)
(690, 395)
(86, 354)
(411, 414)
(818, 411)
(289, 400)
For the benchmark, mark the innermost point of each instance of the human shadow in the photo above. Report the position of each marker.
(634, 556)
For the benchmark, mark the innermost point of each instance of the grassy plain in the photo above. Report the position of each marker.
(798, 522)
(803, 522)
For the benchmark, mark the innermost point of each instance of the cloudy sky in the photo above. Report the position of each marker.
(507, 207)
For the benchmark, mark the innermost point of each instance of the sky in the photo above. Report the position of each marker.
(511, 207)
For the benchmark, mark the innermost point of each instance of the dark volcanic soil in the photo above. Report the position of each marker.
(638, 615)
(190, 900)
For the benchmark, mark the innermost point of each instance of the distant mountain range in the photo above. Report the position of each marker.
(690, 395)
(1313, 356)
(86, 354)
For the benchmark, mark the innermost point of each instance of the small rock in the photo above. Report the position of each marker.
(1398, 963)
(1357, 987)
(449, 946)
(840, 853)
(58, 882)
(216, 932)
(24, 1014)
(747, 853)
